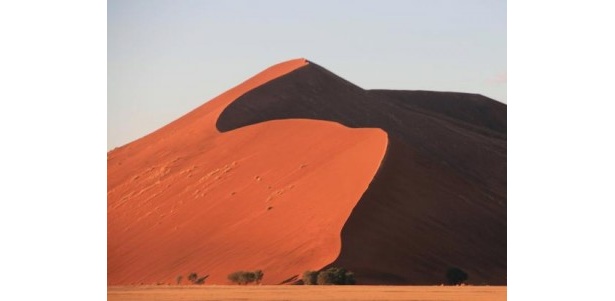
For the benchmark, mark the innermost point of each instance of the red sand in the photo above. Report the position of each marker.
(187, 198)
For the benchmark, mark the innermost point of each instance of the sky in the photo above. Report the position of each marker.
(165, 58)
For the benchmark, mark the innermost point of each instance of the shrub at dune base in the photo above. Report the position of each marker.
(243, 277)
(330, 276)
(456, 276)
(194, 278)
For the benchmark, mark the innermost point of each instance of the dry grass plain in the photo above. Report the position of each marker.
(305, 293)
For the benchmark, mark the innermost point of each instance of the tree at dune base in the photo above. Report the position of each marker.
(331, 276)
(243, 277)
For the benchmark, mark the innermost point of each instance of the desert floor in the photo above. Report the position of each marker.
(299, 292)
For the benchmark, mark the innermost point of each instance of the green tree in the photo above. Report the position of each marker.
(334, 275)
(235, 277)
(248, 277)
(243, 277)
(325, 278)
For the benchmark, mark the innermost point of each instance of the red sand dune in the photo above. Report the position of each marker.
(438, 199)
(272, 196)
(298, 169)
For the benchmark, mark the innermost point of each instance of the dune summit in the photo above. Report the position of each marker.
(298, 169)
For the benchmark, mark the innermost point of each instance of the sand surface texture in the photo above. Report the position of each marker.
(311, 293)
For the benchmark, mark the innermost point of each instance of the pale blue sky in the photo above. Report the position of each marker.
(165, 58)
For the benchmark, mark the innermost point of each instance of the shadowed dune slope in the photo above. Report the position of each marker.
(272, 196)
(438, 199)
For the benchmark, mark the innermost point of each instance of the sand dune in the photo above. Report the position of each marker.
(298, 169)
(272, 196)
(439, 197)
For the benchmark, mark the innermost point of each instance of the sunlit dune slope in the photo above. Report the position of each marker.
(272, 196)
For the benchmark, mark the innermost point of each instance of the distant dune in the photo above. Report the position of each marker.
(297, 169)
